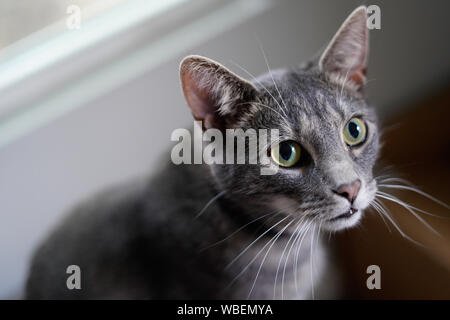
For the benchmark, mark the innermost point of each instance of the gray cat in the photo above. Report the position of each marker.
(226, 231)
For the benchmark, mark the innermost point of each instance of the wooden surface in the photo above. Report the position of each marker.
(417, 145)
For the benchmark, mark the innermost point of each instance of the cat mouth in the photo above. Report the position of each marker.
(349, 213)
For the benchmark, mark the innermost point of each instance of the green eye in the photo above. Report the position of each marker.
(286, 154)
(355, 132)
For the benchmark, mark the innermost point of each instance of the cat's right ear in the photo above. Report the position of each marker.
(347, 54)
(215, 95)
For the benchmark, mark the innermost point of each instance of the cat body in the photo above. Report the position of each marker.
(136, 242)
(224, 231)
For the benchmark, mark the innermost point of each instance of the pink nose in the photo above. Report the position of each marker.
(349, 190)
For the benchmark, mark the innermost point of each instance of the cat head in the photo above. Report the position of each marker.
(328, 136)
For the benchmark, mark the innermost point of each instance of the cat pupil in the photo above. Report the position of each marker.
(354, 129)
(285, 151)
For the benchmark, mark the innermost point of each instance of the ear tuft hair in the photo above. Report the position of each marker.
(214, 94)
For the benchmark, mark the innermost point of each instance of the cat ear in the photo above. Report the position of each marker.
(347, 54)
(214, 94)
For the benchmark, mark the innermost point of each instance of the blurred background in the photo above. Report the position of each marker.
(84, 108)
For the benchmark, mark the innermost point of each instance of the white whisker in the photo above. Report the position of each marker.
(404, 205)
(265, 256)
(413, 189)
(271, 75)
(403, 234)
(412, 207)
(262, 86)
(311, 261)
(259, 252)
(217, 196)
(296, 234)
(251, 244)
(274, 213)
(263, 105)
(375, 206)
(281, 258)
(297, 254)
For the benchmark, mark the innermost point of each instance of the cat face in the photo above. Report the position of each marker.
(332, 179)
(328, 139)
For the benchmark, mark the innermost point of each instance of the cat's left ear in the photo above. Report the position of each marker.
(216, 96)
(347, 54)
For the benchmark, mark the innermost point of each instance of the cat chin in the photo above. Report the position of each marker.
(343, 223)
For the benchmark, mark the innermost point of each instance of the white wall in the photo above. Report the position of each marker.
(125, 133)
